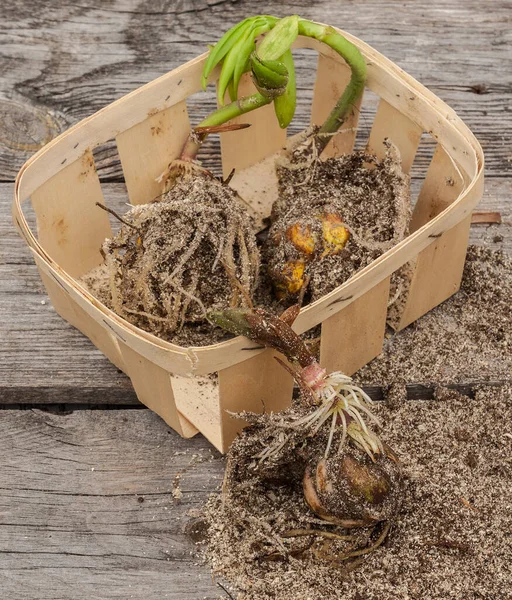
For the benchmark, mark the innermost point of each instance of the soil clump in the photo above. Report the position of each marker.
(195, 248)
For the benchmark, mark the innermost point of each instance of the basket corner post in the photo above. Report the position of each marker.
(437, 273)
(211, 402)
(438, 269)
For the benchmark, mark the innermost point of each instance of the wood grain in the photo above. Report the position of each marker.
(72, 524)
(87, 506)
(93, 53)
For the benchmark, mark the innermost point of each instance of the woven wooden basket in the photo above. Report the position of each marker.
(193, 388)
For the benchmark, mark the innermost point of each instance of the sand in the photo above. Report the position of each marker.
(452, 537)
(468, 335)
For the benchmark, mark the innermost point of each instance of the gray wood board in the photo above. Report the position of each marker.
(87, 508)
(65, 61)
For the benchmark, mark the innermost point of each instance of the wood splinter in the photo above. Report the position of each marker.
(486, 218)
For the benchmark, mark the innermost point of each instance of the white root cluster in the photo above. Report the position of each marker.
(341, 398)
(341, 405)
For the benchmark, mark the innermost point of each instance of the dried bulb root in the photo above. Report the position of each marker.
(191, 250)
(357, 485)
(341, 410)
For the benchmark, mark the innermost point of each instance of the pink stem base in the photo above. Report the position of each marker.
(314, 375)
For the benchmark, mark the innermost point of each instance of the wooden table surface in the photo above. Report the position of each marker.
(87, 475)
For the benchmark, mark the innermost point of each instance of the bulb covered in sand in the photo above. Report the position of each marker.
(332, 218)
(191, 250)
(351, 490)
(311, 238)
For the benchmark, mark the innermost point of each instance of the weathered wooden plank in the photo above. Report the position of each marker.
(45, 360)
(89, 55)
(67, 399)
(353, 337)
(95, 504)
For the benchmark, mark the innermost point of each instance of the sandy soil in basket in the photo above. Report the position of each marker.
(156, 289)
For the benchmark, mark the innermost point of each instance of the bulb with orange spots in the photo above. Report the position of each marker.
(304, 242)
(290, 279)
(301, 237)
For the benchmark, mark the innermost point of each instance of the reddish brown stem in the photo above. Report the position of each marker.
(267, 329)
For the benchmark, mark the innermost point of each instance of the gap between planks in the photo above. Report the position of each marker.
(19, 399)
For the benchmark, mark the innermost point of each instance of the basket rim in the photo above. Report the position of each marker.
(340, 297)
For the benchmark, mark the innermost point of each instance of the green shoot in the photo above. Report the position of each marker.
(272, 68)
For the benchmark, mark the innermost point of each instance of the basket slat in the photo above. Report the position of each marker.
(438, 268)
(71, 312)
(398, 128)
(258, 188)
(256, 385)
(438, 272)
(70, 227)
(443, 184)
(103, 339)
(147, 148)
(332, 76)
(170, 357)
(244, 148)
(153, 387)
(354, 336)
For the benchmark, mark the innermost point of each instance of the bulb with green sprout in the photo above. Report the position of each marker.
(168, 264)
(272, 68)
